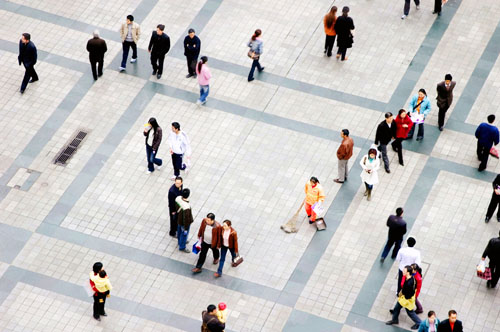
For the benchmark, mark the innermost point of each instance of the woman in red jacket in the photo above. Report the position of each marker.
(403, 126)
(417, 274)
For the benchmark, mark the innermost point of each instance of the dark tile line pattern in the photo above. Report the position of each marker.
(12, 240)
(300, 321)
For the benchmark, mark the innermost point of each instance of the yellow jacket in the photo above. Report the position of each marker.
(101, 284)
(315, 194)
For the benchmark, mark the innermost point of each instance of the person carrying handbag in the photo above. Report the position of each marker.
(256, 48)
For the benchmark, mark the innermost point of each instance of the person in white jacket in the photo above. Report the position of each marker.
(180, 148)
(370, 164)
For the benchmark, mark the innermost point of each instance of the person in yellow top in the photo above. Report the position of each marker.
(102, 286)
(314, 194)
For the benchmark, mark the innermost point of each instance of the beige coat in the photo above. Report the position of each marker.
(136, 31)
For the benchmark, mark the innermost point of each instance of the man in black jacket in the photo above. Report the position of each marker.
(386, 131)
(444, 97)
(495, 200)
(192, 45)
(159, 45)
(174, 191)
(492, 251)
(27, 56)
(96, 48)
(397, 228)
(452, 324)
(408, 291)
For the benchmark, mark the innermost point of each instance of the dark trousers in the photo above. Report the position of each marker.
(419, 309)
(177, 163)
(482, 154)
(368, 186)
(203, 254)
(495, 201)
(342, 51)
(396, 145)
(383, 150)
(96, 66)
(407, 6)
(420, 133)
(495, 273)
(152, 160)
(442, 114)
(29, 73)
(255, 64)
(330, 40)
(411, 314)
(126, 45)
(437, 6)
(400, 278)
(157, 62)
(173, 224)
(99, 302)
(191, 64)
(392, 242)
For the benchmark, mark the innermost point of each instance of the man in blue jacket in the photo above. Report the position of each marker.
(487, 135)
(27, 56)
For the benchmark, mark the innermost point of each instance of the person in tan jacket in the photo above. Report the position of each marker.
(209, 233)
(130, 33)
(344, 152)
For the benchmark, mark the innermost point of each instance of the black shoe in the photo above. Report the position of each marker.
(391, 311)
(33, 81)
(409, 137)
(158, 76)
(189, 75)
(154, 72)
(391, 322)
(401, 163)
(251, 79)
(415, 327)
(104, 314)
(434, 12)
(261, 69)
(487, 219)
(440, 128)
(95, 78)
(382, 259)
(22, 90)
(99, 75)
(324, 51)
(481, 169)
(488, 284)
(394, 149)
(419, 138)
(97, 318)
(388, 170)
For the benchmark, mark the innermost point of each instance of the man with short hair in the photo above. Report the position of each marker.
(179, 148)
(184, 219)
(397, 228)
(192, 45)
(406, 300)
(492, 251)
(210, 321)
(407, 256)
(159, 45)
(96, 48)
(174, 192)
(344, 152)
(27, 56)
(444, 96)
(452, 324)
(487, 135)
(209, 233)
(129, 33)
(386, 131)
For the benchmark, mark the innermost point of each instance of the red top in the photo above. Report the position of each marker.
(452, 325)
(400, 131)
(418, 278)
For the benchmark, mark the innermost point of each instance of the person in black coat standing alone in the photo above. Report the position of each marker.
(343, 27)
(397, 229)
(159, 45)
(96, 48)
(386, 131)
(192, 45)
(495, 200)
(174, 192)
(27, 56)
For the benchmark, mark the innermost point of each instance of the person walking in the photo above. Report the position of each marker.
(192, 46)
(407, 256)
(403, 126)
(210, 322)
(437, 6)
(386, 131)
(487, 135)
(417, 274)
(397, 229)
(96, 48)
(159, 45)
(152, 144)
(370, 165)
(492, 251)
(343, 27)
(430, 324)
(203, 75)
(27, 56)
(444, 96)
(452, 324)
(420, 106)
(174, 192)
(256, 48)
(184, 219)
(102, 288)
(228, 240)
(314, 194)
(129, 33)
(495, 201)
(179, 148)
(406, 9)
(329, 23)
(344, 153)
(209, 233)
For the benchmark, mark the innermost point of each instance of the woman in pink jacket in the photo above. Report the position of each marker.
(204, 76)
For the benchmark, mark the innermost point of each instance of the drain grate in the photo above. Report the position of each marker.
(70, 149)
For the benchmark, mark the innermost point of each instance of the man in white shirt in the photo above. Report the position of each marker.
(407, 256)
(179, 148)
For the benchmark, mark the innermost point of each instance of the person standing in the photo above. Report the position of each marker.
(343, 27)
(406, 10)
(96, 268)
(403, 126)
(495, 201)
(210, 322)
(228, 241)
(437, 6)
(103, 287)
(492, 251)
(179, 148)
(406, 299)
(256, 48)
(314, 194)
(420, 107)
(129, 33)
(444, 96)
(329, 23)
(96, 48)
(192, 46)
(159, 45)
(370, 165)
(452, 324)
(487, 135)
(203, 75)
(184, 219)
(430, 324)
(386, 131)
(27, 56)
(397, 229)
(344, 153)
(407, 256)
(152, 144)
(209, 233)
(174, 192)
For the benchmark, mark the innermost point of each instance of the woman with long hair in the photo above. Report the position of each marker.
(329, 23)
(203, 75)
(256, 48)
(343, 27)
(403, 127)
(228, 240)
(152, 144)
(370, 164)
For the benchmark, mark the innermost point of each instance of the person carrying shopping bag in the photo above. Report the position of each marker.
(370, 164)
(420, 106)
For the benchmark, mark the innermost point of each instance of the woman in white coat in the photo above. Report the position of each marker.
(370, 164)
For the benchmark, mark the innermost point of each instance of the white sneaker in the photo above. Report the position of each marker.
(133, 60)
(173, 178)
(403, 17)
(148, 171)
(121, 69)
(198, 102)
(418, 7)
(159, 167)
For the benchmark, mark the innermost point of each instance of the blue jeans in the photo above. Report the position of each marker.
(388, 246)
(126, 47)
(181, 237)
(255, 64)
(204, 90)
(151, 155)
(223, 252)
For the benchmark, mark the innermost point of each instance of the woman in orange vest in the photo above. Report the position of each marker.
(329, 22)
(314, 193)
